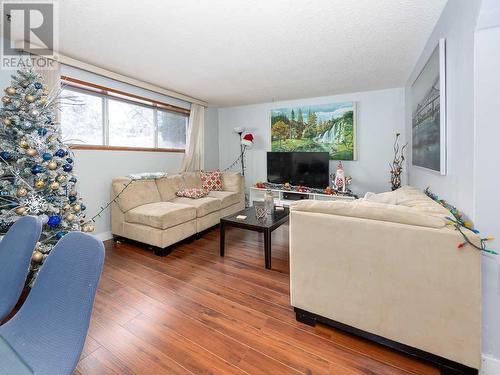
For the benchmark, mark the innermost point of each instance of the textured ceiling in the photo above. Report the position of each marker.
(230, 52)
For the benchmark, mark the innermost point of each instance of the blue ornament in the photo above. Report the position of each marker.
(73, 179)
(42, 131)
(67, 167)
(60, 235)
(72, 198)
(60, 153)
(47, 156)
(38, 86)
(5, 155)
(54, 221)
(37, 169)
(69, 160)
(83, 207)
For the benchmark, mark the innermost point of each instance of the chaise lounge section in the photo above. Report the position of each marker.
(149, 211)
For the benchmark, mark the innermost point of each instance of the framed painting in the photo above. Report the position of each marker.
(316, 128)
(428, 123)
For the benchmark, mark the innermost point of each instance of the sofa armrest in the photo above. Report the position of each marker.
(407, 283)
(233, 181)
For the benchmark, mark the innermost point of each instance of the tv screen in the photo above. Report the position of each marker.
(309, 169)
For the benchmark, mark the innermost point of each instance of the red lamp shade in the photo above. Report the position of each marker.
(247, 140)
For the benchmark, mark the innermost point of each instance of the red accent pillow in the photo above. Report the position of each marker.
(211, 180)
(193, 193)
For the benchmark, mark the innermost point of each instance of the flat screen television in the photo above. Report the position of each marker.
(309, 169)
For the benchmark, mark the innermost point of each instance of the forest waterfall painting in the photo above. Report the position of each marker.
(429, 113)
(325, 128)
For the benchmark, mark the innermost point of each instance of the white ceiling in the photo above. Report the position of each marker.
(230, 52)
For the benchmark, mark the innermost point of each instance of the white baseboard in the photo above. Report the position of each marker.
(490, 366)
(104, 236)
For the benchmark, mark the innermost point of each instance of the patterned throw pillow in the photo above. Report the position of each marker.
(211, 180)
(193, 193)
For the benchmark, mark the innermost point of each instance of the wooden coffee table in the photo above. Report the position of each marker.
(266, 226)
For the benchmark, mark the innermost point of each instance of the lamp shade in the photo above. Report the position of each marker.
(247, 140)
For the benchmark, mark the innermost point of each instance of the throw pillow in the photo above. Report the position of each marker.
(193, 193)
(211, 180)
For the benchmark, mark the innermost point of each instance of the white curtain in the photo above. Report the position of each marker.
(194, 155)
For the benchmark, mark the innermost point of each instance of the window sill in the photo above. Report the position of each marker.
(123, 148)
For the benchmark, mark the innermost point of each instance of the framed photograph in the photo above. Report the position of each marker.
(428, 122)
(316, 128)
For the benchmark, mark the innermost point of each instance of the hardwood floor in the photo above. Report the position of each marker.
(195, 312)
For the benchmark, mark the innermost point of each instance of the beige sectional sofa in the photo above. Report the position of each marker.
(388, 268)
(149, 211)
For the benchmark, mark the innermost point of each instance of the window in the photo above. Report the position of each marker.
(97, 117)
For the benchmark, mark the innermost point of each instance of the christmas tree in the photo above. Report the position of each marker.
(36, 168)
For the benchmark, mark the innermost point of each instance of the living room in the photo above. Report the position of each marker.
(249, 187)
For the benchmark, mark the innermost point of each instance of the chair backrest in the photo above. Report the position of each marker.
(50, 328)
(16, 249)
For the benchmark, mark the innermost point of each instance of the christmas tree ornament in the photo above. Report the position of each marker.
(10, 90)
(70, 217)
(20, 210)
(61, 178)
(37, 169)
(44, 219)
(29, 98)
(60, 153)
(43, 100)
(6, 99)
(54, 221)
(39, 184)
(54, 185)
(69, 160)
(23, 143)
(67, 167)
(73, 193)
(37, 257)
(47, 156)
(60, 235)
(35, 112)
(31, 152)
(66, 207)
(38, 86)
(21, 192)
(72, 199)
(77, 208)
(42, 131)
(73, 180)
(52, 165)
(7, 121)
(5, 155)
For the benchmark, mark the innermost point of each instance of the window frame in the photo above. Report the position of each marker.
(106, 94)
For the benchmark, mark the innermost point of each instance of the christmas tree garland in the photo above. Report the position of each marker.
(462, 225)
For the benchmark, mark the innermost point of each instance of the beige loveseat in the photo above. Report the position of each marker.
(388, 268)
(149, 211)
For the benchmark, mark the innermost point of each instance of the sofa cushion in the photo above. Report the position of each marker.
(192, 180)
(168, 186)
(203, 206)
(388, 197)
(211, 180)
(161, 215)
(373, 211)
(193, 193)
(227, 198)
(138, 193)
(410, 196)
(232, 181)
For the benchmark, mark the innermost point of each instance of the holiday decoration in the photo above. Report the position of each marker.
(303, 189)
(461, 224)
(397, 164)
(340, 181)
(35, 173)
(246, 141)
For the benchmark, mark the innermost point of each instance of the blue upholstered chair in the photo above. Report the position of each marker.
(16, 249)
(49, 330)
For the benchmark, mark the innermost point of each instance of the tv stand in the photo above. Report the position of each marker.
(286, 197)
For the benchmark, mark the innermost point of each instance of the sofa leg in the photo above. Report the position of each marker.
(162, 252)
(117, 238)
(304, 317)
